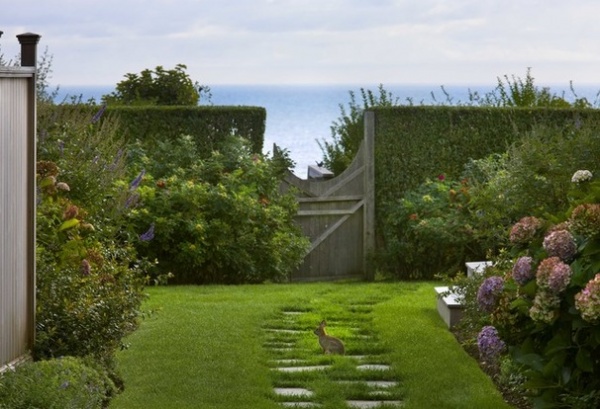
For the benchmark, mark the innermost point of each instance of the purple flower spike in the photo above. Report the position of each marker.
(149, 235)
(136, 182)
(99, 114)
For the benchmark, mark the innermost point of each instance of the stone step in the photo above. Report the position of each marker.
(365, 404)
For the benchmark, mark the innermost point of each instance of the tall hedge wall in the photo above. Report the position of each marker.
(414, 143)
(207, 124)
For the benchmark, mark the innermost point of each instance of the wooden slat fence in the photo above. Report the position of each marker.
(17, 205)
(338, 216)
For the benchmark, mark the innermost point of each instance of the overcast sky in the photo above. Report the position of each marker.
(439, 42)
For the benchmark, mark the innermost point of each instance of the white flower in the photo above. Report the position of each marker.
(581, 176)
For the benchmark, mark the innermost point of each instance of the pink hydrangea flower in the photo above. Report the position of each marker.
(553, 275)
(560, 243)
(587, 301)
(522, 271)
(585, 220)
(525, 230)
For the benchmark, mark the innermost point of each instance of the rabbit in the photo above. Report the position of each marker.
(330, 345)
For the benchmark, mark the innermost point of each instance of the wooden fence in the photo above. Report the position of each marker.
(338, 215)
(17, 204)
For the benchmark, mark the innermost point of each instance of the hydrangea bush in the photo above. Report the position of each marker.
(544, 307)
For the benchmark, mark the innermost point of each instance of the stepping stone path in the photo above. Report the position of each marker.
(379, 391)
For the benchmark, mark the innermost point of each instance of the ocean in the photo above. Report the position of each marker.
(298, 116)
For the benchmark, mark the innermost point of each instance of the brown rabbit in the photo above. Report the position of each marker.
(330, 345)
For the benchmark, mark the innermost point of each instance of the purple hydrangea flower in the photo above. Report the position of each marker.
(522, 271)
(148, 235)
(587, 301)
(524, 230)
(553, 275)
(560, 243)
(489, 343)
(489, 292)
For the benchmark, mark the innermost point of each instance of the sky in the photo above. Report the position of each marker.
(440, 42)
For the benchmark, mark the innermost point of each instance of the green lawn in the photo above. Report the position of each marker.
(207, 347)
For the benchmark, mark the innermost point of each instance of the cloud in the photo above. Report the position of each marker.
(297, 41)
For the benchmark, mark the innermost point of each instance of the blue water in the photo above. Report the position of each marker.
(299, 116)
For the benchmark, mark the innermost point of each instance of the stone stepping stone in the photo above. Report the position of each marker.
(373, 367)
(358, 357)
(279, 344)
(301, 368)
(365, 404)
(374, 384)
(285, 331)
(294, 392)
(299, 404)
(381, 384)
(292, 313)
(289, 361)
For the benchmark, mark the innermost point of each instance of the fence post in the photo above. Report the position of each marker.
(369, 219)
(29, 43)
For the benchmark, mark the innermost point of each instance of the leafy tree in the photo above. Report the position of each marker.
(156, 87)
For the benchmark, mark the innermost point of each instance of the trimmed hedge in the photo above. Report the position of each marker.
(417, 143)
(208, 125)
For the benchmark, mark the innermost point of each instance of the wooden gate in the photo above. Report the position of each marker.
(338, 216)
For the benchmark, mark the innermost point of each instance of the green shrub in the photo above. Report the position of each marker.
(219, 220)
(65, 383)
(428, 232)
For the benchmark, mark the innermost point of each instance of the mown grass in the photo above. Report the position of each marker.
(211, 347)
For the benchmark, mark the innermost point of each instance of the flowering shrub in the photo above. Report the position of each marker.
(428, 230)
(550, 325)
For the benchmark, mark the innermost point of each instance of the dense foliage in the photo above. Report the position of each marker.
(156, 87)
(217, 220)
(540, 304)
(429, 230)
(89, 283)
(64, 383)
